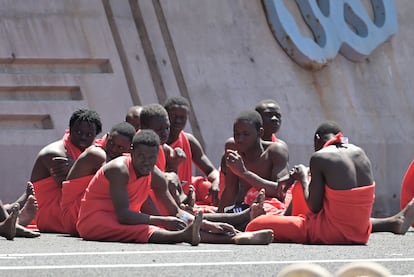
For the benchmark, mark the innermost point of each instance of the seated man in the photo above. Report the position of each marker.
(178, 109)
(155, 117)
(339, 197)
(133, 117)
(53, 163)
(115, 195)
(270, 113)
(254, 164)
(116, 143)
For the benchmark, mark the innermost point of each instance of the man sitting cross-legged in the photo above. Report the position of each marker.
(115, 195)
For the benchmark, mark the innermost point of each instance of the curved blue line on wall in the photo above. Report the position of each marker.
(337, 26)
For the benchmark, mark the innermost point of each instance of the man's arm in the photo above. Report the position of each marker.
(201, 160)
(235, 163)
(118, 176)
(174, 157)
(230, 192)
(315, 192)
(52, 161)
(88, 163)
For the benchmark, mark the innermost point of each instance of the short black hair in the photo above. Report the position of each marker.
(151, 111)
(176, 100)
(146, 137)
(327, 127)
(131, 110)
(86, 115)
(125, 129)
(253, 117)
(260, 104)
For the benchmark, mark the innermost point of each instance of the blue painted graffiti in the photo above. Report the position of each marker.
(343, 26)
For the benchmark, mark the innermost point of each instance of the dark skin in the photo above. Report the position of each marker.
(178, 115)
(339, 166)
(53, 159)
(94, 157)
(144, 158)
(133, 117)
(272, 119)
(161, 126)
(252, 163)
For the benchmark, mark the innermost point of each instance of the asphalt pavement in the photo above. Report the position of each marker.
(61, 255)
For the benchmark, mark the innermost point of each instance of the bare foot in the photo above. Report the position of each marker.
(29, 210)
(404, 219)
(25, 233)
(8, 226)
(193, 230)
(190, 199)
(261, 237)
(23, 198)
(256, 208)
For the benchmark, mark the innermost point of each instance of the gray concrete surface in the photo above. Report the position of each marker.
(58, 55)
(59, 255)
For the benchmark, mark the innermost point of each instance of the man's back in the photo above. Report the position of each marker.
(343, 166)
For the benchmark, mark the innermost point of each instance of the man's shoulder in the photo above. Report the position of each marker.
(94, 153)
(276, 146)
(54, 148)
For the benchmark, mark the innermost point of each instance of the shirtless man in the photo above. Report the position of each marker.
(123, 185)
(271, 115)
(155, 117)
(133, 118)
(178, 109)
(116, 143)
(253, 164)
(53, 163)
(340, 192)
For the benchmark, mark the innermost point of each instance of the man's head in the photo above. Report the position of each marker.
(155, 117)
(177, 108)
(247, 130)
(133, 117)
(119, 140)
(271, 115)
(84, 125)
(325, 132)
(144, 151)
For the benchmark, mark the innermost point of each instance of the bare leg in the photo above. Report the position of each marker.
(240, 220)
(8, 226)
(397, 224)
(191, 234)
(28, 212)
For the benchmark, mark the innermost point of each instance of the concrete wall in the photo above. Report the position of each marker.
(59, 55)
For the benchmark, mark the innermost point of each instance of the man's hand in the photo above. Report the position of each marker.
(60, 168)
(214, 178)
(171, 223)
(234, 162)
(175, 158)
